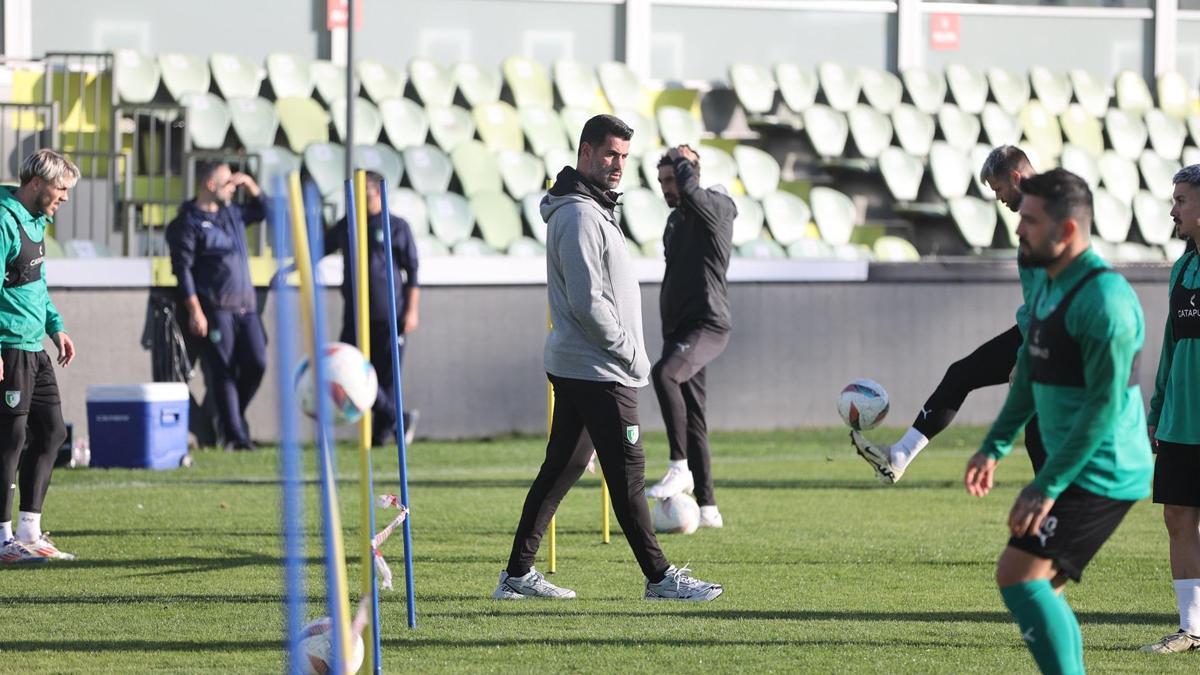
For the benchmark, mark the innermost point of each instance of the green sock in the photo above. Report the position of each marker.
(1048, 626)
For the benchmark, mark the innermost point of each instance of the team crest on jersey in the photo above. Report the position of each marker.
(632, 433)
(12, 398)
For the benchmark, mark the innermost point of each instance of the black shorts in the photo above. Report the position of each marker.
(1075, 529)
(28, 380)
(1177, 474)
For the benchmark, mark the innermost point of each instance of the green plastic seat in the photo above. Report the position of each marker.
(1133, 96)
(329, 80)
(1191, 155)
(1009, 220)
(521, 172)
(645, 132)
(528, 82)
(555, 160)
(1174, 249)
(290, 75)
(451, 219)
(207, 121)
(1157, 173)
(473, 247)
(404, 122)
(381, 159)
(717, 167)
(631, 177)
(275, 165)
(498, 219)
(476, 168)
(524, 247)
(1081, 163)
(1091, 92)
(1000, 127)
(429, 247)
(968, 87)
(870, 129)
(926, 89)
(573, 120)
(834, 214)
(621, 86)
(959, 128)
(759, 171)
(748, 223)
(236, 76)
(840, 83)
(644, 214)
(429, 169)
(950, 170)
(1051, 88)
(326, 163)
(380, 81)
(303, 122)
(809, 249)
(531, 208)
(1083, 130)
(1113, 218)
(1173, 95)
(890, 248)
(650, 169)
(882, 89)
(902, 173)
(1166, 133)
(184, 74)
(368, 123)
(1042, 129)
(854, 252)
(1126, 132)
(450, 126)
(1153, 217)
(679, 127)
(1010, 89)
(827, 130)
(979, 155)
(499, 126)
(1119, 176)
(798, 86)
(914, 129)
(975, 220)
(651, 249)
(433, 82)
(136, 76)
(254, 121)
(787, 217)
(754, 86)
(576, 82)
(478, 84)
(408, 204)
(53, 248)
(544, 130)
(761, 249)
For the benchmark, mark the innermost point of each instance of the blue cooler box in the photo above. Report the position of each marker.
(138, 426)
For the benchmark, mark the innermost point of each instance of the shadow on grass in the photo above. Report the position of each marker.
(524, 483)
(182, 564)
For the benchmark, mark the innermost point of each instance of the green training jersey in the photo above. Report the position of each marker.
(27, 314)
(1175, 405)
(1094, 429)
(1030, 278)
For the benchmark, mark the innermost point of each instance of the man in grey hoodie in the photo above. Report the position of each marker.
(595, 359)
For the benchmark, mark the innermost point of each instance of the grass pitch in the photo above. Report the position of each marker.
(824, 570)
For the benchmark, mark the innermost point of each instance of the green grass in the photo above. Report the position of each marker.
(824, 570)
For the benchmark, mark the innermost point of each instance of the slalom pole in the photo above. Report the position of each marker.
(552, 564)
(605, 534)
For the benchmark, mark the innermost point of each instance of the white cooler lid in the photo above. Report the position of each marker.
(150, 391)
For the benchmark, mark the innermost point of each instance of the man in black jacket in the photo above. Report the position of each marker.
(694, 306)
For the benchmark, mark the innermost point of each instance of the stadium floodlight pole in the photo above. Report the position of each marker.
(398, 397)
(313, 315)
(289, 447)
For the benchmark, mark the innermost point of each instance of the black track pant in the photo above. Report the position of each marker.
(991, 364)
(679, 382)
(608, 412)
(29, 410)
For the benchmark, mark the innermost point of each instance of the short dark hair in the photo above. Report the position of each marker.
(666, 161)
(600, 127)
(206, 168)
(1003, 161)
(1066, 196)
(375, 177)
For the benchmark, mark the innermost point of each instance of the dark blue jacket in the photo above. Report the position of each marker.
(404, 260)
(209, 255)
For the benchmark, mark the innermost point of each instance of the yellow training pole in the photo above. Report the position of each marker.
(363, 320)
(553, 566)
(307, 293)
(604, 528)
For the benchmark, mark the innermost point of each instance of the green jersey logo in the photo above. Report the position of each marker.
(12, 398)
(632, 433)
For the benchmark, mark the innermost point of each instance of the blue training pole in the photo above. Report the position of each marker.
(398, 391)
(289, 447)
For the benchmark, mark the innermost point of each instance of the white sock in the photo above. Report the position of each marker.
(709, 511)
(5, 531)
(907, 448)
(1187, 595)
(679, 464)
(29, 526)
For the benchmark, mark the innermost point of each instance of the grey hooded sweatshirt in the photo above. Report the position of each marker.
(595, 301)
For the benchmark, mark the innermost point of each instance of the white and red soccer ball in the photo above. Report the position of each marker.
(351, 383)
(863, 404)
(679, 514)
(316, 647)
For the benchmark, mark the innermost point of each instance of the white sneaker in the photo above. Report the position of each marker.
(44, 548)
(878, 456)
(679, 585)
(711, 517)
(675, 482)
(1175, 643)
(532, 585)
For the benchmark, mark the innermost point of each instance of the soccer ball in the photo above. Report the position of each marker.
(863, 404)
(317, 647)
(678, 515)
(351, 387)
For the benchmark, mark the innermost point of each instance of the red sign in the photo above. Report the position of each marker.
(943, 32)
(337, 14)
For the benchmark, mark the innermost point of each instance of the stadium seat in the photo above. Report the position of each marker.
(274, 167)
(429, 169)
(450, 217)
(476, 168)
(717, 167)
(870, 129)
(1153, 217)
(236, 76)
(207, 120)
(290, 76)
(754, 86)
(544, 130)
(807, 248)
(902, 173)
(368, 123)
(433, 82)
(926, 89)
(1091, 92)
(1011, 90)
(950, 170)
(524, 247)
(555, 160)
(1000, 127)
(1083, 130)
(758, 169)
(576, 83)
(797, 85)
(1119, 176)
(1081, 163)
(650, 170)
(329, 79)
(979, 155)
(631, 177)
(404, 122)
(498, 126)
(409, 205)
(621, 86)
(478, 84)
(1042, 130)
(840, 83)
(761, 249)
(184, 74)
(748, 224)
(380, 81)
(1133, 96)
(473, 247)
(645, 215)
(1173, 95)
(254, 121)
(787, 217)
(651, 249)
(1051, 88)
(834, 214)
(136, 76)
(381, 159)
(528, 82)
(959, 128)
(1166, 133)
(645, 132)
(914, 129)
(889, 248)
(303, 122)
(1157, 173)
(1009, 221)
(678, 127)
(450, 126)
(827, 130)
(975, 220)
(1113, 217)
(53, 248)
(521, 172)
(429, 247)
(1174, 249)
(497, 217)
(1191, 155)
(326, 163)
(1126, 132)
(573, 120)
(531, 207)
(882, 89)
(968, 87)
